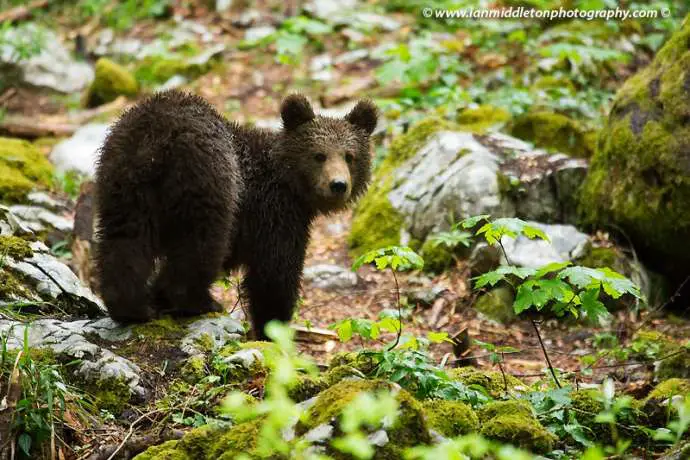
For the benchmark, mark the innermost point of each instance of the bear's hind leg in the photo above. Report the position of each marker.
(189, 269)
(124, 266)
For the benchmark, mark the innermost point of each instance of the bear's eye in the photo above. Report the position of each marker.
(349, 158)
(320, 157)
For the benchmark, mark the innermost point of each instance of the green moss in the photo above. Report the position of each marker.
(482, 118)
(450, 418)
(166, 327)
(363, 362)
(111, 394)
(637, 179)
(111, 80)
(338, 373)
(240, 439)
(375, 222)
(497, 304)
(307, 387)
(492, 381)
(586, 404)
(548, 82)
(515, 407)
(676, 358)
(169, 450)
(554, 131)
(158, 69)
(409, 428)
(15, 247)
(437, 257)
(524, 432)
(657, 405)
(194, 369)
(22, 168)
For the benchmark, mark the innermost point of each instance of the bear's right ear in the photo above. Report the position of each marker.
(295, 111)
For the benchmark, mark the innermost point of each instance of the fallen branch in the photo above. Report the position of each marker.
(23, 12)
(31, 128)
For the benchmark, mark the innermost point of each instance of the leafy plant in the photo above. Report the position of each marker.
(395, 258)
(40, 396)
(558, 288)
(676, 428)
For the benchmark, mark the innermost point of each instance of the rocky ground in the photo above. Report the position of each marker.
(122, 389)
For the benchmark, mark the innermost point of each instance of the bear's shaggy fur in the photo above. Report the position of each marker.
(182, 194)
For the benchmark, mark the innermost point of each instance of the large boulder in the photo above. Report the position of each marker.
(441, 171)
(53, 68)
(639, 179)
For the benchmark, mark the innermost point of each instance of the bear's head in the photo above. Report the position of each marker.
(331, 156)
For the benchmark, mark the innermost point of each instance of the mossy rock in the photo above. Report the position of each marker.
(15, 247)
(155, 70)
(363, 362)
(438, 257)
(193, 369)
(409, 429)
(22, 168)
(375, 223)
(483, 118)
(586, 404)
(513, 422)
(111, 80)
(491, 381)
(550, 82)
(676, 357)
(338, 373)
(639, 178)
(307, 387)
(497, 304)
(450, 418)
(111, 394)
(208, 442)
(516, 407)
(555, 131)
(658, 404)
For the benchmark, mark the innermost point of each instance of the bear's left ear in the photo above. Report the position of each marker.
(295, 111)
(364, 115)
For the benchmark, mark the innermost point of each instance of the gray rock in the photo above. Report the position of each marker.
(53, 68)
(223, 5)
(319, 434)
(44, 200)
(10, 224)
(80, 152)
(452, 174)
(378, 438)
(206, 55)
(246, 358)
(567, 243)
(43, 217)
(461, 174)
(327, 9)
(68, 339)
(368, 21)
(220, 330)
(326, 276)
(320, 62)
(53, 279)
(173, 82)
(351, 57)
(257, 33)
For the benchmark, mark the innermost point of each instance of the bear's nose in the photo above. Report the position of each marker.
(338, 187)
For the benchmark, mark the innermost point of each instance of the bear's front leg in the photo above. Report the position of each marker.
(271, 285)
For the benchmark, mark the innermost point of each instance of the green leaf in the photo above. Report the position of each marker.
(591, 305)
(438, 337)
(471, 222)
(24, 442)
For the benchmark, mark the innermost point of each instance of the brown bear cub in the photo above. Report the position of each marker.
(183, 194)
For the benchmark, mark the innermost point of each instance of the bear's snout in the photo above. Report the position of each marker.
(338, 187)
